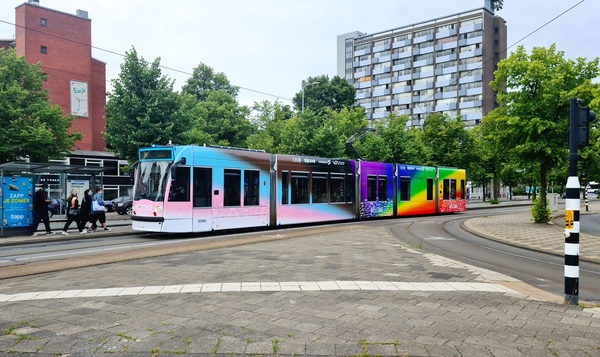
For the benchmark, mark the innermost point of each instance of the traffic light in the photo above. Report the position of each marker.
(584, 117)
(583, 179)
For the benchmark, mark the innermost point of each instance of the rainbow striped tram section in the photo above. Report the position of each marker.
(183, 189)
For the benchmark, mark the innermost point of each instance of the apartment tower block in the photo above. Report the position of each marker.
(443, 65)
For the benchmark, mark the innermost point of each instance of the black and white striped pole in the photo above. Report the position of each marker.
(579, 135)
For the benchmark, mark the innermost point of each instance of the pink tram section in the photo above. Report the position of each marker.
(311, 189)
(197, 189)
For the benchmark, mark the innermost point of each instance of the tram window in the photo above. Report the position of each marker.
(449, 189)
(350, 188)
(319, 185)
(251, 188)
(453, 189)
(462, 189)
(382, 188)
(371, 188)
(285, 184)
(180, 186)
(336, 188)
(429, 189)
(404, 188)
(232, 186)
(202, 187)
(300, 187)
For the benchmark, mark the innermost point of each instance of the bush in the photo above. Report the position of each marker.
(541, 215)
(519, 191)
(494, 201)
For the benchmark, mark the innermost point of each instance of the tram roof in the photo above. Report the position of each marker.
(50, 167)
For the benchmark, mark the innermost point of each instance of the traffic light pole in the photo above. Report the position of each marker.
(572, 207)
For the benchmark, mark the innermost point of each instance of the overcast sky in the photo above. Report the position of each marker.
(270, 46)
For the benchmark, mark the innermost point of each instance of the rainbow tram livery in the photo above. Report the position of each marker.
(183, 189)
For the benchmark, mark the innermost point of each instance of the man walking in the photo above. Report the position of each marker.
(40, 210)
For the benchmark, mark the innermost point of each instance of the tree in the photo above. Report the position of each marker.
(320, 93)
(268, 120)
(447, 141)
(225, 120)
(534, 92)
(143, 109)
(204, 80)
(30, 124)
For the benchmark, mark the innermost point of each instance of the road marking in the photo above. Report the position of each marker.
(247, 287)
(439, 238)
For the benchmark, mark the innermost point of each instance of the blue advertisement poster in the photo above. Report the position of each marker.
(17, 197)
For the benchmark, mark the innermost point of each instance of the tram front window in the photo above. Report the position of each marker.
(152, 180)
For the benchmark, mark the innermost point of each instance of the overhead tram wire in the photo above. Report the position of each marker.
(122, 55)
(455, 81)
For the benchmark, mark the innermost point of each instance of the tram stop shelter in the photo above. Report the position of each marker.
(19, 181)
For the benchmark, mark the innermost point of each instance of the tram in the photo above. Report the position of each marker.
(190, 188)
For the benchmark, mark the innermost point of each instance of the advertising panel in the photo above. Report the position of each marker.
(17, 197)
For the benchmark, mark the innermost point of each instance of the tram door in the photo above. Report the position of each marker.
(202, 199)
(177, 210)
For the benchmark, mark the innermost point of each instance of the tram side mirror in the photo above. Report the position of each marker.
(215, 192)
(132, 171)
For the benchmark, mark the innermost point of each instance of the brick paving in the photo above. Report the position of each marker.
(355, 291)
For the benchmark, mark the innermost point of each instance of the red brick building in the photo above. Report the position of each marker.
(62, 44)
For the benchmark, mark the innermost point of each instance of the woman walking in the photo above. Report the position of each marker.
(73, 214)
(86, 207)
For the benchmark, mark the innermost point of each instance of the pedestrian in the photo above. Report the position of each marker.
(98, 210)
(40, 210)
(86, 208)
(73, 214)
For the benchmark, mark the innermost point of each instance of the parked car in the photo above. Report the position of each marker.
(112, 204)
(57, 206)
(125, 207)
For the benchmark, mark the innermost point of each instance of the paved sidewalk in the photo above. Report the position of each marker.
(347, 291)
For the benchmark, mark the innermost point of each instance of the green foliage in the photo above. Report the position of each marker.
(30, 124)
(531, 126)
(224, 120)
(447, 142)
(143, 109)
(322, 93)
(541, 213)
(204, 80)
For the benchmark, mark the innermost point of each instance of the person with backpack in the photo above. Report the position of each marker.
(73, 214)
(98, 211)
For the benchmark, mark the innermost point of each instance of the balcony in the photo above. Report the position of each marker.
(379, 93)
(423, 38)
(401, 101)
(470, 41)
(420, 51)
(402, 78)
(422, 86)
(381, 48)
(401, 89)
(472, 104)
(471, 79)
(469, 54)
(445, 46)
(449, 106)
(382, 70)
(448, 33)
(469, 66)
(363, 95)
(423, 62)
(380, 115)
(450, 57)
(471, 28)
(403, 111)
(382, 81)
(364, 51)
(402, 43)
(446, 82)
(445, 70)
(444, 95)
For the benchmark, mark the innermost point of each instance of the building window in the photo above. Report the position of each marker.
(495, 30)
(43, 22)
(44, 49)
(495, 43)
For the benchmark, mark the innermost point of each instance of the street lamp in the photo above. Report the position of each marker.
(304, 86)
